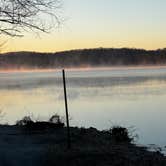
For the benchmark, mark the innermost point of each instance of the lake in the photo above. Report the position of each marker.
(131, 97)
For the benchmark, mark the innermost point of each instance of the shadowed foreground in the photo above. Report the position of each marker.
(46, 146)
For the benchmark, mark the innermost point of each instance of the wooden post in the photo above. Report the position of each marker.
(67, 115)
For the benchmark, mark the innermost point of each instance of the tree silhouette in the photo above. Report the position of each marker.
(18, 16)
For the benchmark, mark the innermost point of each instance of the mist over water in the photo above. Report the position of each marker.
(98, 98)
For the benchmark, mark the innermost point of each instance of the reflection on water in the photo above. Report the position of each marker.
(99, 98)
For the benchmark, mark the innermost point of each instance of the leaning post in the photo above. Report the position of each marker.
(67, 114)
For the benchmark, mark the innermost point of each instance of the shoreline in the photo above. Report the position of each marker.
(48, 146)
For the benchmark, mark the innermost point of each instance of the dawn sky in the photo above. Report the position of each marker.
(101, 23)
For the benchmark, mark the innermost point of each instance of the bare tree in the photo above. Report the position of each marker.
(18, 16)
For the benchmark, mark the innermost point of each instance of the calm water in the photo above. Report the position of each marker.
(98, 98)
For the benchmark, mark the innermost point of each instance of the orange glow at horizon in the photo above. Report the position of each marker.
(55, 45)
(107, 24)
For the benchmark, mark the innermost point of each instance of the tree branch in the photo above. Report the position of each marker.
(17, 16)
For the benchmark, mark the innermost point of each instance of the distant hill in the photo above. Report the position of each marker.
(83, 57)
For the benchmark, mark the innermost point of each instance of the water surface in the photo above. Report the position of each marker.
(99, 98)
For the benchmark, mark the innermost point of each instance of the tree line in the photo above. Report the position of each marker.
(83, 58)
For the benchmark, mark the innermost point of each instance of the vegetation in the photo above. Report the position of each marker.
(18, 16)
(24, 121)
(120, 134)
(54, 121)
(83, 58)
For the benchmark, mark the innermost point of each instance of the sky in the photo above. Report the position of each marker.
(100, 23)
